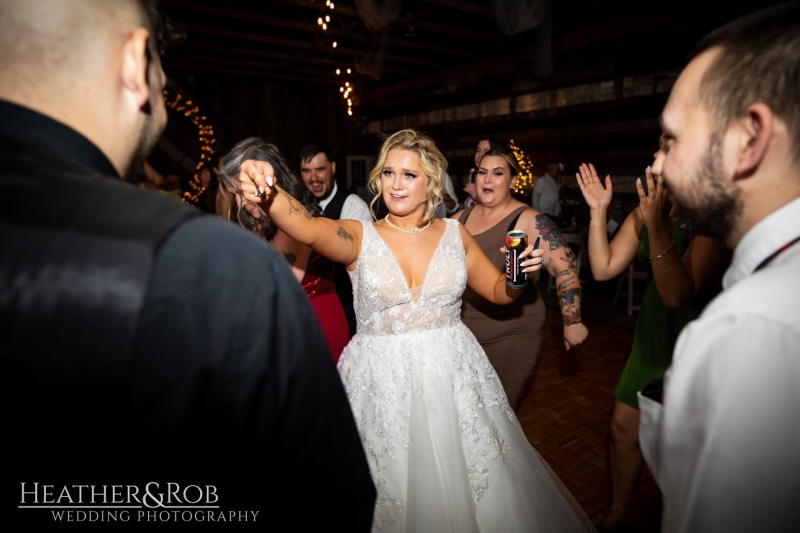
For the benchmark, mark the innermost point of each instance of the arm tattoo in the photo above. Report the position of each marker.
(290, 258)
(295, 208)
(557, 244)
(568, 283)
(550, 233)
(344, 234)
(568, 291)
(570, 303)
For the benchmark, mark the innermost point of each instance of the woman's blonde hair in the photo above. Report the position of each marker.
(431, 159)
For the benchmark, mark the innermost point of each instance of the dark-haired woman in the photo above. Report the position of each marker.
(314, 272)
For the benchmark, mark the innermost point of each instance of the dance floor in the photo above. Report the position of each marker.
(567, 409)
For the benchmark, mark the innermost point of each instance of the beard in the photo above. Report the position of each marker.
(710, 204)
(155, 121)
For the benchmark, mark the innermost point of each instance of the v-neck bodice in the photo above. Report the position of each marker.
(385, 304)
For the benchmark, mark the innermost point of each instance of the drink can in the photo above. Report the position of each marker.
(516, 242)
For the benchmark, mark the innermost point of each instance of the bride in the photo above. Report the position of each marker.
(445, 449)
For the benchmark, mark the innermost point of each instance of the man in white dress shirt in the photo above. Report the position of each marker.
(723, 443)
(318, 170)
(545, 197)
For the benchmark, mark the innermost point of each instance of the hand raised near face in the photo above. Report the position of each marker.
(653, 204)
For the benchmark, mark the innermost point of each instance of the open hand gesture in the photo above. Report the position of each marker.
(593, 191)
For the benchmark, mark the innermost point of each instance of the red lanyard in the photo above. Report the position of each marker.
(776, 253)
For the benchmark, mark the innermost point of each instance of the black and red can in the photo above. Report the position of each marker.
(516, 242)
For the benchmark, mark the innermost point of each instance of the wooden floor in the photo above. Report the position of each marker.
(567, 409)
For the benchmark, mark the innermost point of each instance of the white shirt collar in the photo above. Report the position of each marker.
(763, 240)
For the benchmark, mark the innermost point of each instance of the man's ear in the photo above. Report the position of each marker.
(757, 128)
(135, 65)
(333, 167)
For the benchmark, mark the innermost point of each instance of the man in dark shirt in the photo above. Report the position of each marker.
(160, 367)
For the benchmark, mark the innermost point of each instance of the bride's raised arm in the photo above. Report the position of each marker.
(338, 240)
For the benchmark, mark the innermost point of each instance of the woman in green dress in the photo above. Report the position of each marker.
(684, 272)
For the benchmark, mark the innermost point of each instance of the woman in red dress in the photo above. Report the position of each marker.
(312, 271)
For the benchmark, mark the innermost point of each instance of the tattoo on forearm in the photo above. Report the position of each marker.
(567, 256)
(295, 208)
(344, 234)
(569, 301)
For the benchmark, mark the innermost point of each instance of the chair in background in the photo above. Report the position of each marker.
(629, 277)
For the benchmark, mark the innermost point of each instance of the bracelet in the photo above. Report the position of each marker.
(662, 254)
(562, 291)
(571, 323)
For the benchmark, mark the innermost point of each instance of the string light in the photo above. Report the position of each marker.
(526, 177)
(347, 94)
(205, 136)
(323, 21)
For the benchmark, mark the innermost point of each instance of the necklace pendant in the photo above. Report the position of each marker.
(414, 231)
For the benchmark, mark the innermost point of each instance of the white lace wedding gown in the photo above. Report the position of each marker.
(445, 450)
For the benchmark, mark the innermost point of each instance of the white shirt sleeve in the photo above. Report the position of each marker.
(451, 191)
(545, 196)
(724, 445)
(356, 209)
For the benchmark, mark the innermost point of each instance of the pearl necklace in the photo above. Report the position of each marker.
(414, 231)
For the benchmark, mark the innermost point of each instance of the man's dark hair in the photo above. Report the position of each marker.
(758, 62)
(166, 32)
(308, 152)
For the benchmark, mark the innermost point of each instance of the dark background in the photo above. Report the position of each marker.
(587, 84)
